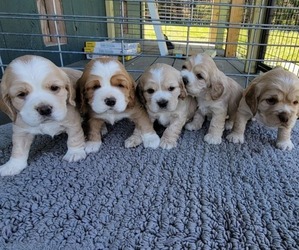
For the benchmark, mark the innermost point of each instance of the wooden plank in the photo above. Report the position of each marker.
(236, 15)
(110, 19)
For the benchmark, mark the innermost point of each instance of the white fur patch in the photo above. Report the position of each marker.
(33, 71)
(157, 76)
(105, 71)
(198, 59)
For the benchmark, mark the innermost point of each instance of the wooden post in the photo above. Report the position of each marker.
(254, 37)
(219, 14)
(235, 18)
(110, 21)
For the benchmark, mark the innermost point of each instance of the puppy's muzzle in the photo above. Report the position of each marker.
(162, 103)
(283, 117)
(44, 110)
(185, 80)
(110, 101)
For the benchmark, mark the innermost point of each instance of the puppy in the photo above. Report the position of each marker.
(217, 95)
(39, 97)
(107, 94)
(162, 92)
(273, 99)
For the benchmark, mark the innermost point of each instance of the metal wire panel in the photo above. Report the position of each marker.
(248, 35)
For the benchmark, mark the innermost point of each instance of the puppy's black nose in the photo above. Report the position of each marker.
(110, 101)
(44, 110)
(283, 117)
(162, 103)
(185, 80)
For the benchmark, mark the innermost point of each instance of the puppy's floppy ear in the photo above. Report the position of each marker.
(80, 96)
(5, 100)
(7, 107)
(131, 102)
(251, 97)
(139, 93)
(73, 75)
(216, 86)
(183, 92)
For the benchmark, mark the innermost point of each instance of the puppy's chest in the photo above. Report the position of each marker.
(206, 107)
(112, 117)
(163, 119)
(48, 129)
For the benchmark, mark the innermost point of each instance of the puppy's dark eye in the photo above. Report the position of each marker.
(272, 101)
(54, 88)
(295, 102)
(171, 88)
(199, 76)
(150, 91)
(22, 95)
(184, 67)
(97, 86)
(120, 85)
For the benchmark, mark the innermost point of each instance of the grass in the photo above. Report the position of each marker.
(282, 45)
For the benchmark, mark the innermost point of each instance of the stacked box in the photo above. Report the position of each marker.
(106, 48)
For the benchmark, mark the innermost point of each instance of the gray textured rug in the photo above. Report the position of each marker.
(197, 196)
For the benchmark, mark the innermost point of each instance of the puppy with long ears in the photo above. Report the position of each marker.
(217, 95)
(39, 97)
(106, 93)
(162, 92)
(273, 99)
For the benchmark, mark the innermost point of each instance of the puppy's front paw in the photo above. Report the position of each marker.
(133, 141)
(191, 126)
(229, 125)
(74, 154)
(235, 137)
(92, 146)
(151, 140)
(12, 167)
(104, 130)
(212, 139)
(168, 143)
(285, 145)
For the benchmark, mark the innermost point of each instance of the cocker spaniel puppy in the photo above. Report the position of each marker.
(107, 94)
(39, 97)
(271, 98)
(163, 94)
(217, 95)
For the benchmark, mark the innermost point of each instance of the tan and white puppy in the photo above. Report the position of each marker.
(162, 92)
(217, 95)
(271, 98)
(107, 94)
(39, 97)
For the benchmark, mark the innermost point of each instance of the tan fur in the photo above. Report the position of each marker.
(166, 83)
(62, 98)
(123, 81)
(217, 95)
(273, 99)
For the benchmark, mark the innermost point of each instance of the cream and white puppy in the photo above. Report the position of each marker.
(273, 99)
(162, 92)
(107, 94)
(39, 98)
(217, 95)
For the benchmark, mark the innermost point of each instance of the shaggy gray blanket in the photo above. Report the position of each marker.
(197, 196)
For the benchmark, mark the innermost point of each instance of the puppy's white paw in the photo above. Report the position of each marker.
(168, 143)
(104, 129)
(74, 154)
(151, 140)
(235, 137)
(191, 126)
(133, 141)
(229, 125)
(212, 139)
(12, 167)
(285, 145)
(92, 146)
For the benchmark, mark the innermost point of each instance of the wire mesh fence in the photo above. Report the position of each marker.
(251, 35)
